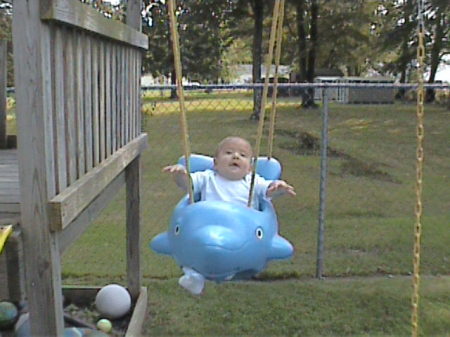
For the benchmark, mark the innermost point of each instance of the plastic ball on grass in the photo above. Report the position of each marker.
(8, 314)
(113, 301)
(104, 325)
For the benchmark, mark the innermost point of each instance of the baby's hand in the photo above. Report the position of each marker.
(179, 174)
(175, 169)
(280, 187)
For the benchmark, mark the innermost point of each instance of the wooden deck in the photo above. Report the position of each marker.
(9, 184)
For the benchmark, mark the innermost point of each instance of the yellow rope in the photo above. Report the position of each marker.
(275, 82)
(180, 93)
(419, 174)
(268, 63)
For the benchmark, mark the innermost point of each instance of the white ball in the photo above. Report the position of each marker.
(113, 301)
(104, 325)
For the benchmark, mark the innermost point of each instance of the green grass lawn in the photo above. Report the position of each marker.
(368, 239)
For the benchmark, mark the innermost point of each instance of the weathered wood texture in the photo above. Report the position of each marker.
(82, 16)
(133, 182)
(96, 104)
(3, 80)
(66, 206)
(77, 79)
(139, 315)
(9, 182)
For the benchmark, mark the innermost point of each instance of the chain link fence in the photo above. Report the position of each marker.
(163, 99)
(356, 149)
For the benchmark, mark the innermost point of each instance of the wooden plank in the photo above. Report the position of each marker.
(59, 115)
(138, 84)
(123, 88)
(139, 315)
(76, 14)
(10, 192)
(133, 97)
(108, 98)
(79, 72)
(95, 103)
(133, 216)
(33, 81)
(10, 207)
(114, 98)
(3, 80)
(66, 206)
(102, 100)
(87, 51)
(127, 95)
(10, 199)
(9, 184)
(69, 106)
(133, 75)
(77, 227)
(120, 95)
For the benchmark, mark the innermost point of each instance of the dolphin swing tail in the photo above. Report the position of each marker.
(223, 241)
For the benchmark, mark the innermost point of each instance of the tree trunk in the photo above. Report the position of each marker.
(301, 40)
(435, 51)
(173, 81)
(308, 99)
(258, 11)
(404, 56)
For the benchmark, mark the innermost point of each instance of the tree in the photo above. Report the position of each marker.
(242, 11)
(439, 41)
(202, 42)
(307, 16)
(397, 35)
(258, 17)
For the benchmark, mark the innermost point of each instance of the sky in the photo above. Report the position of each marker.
(443, 74)
(113, 2)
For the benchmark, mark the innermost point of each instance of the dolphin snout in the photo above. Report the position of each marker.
(218, 236)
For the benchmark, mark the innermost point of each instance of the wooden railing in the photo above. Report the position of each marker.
(95, 69)
(77, 77)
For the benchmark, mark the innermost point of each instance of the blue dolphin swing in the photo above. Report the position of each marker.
(218, 240)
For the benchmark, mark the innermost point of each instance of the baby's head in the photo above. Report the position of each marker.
(233, 158)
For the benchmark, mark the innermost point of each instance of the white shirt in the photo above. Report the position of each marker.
(212, 186)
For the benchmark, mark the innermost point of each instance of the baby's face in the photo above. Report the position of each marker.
(233, 159)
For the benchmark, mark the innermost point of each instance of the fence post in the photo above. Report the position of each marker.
(3, 81)
(323, 186)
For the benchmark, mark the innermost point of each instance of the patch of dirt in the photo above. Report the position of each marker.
(307, 144)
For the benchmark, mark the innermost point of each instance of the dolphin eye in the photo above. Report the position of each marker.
(177, 229)
(259, 233)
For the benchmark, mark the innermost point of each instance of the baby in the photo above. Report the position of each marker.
(230, 179)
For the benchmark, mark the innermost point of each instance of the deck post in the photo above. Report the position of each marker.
(133, 216)
(42, 268)
(132, 177)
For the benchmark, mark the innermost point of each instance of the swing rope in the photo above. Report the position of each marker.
(180, 93)
(279, 4)
(275, 33)
(419, 171)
